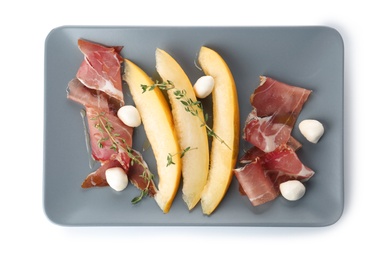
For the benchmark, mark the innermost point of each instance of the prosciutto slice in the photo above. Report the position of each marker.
(264, 132)
(134, 174)
(98, 177)
(264, 190)
(283, 164)
(278, 166)
(276, 107)
(99, 111)
(254, 152)
(101, 69)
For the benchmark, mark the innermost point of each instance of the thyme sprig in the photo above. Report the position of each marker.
(163, 86)
(190, 106)
(118, 143)
(182, 153)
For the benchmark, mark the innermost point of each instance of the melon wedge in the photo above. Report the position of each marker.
(195, 163)
(158, 124)
(226, 124)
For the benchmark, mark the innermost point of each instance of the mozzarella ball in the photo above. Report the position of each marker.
(117, 178)
(312, 130)
(129, 115)
(292, 190)
(204, 86)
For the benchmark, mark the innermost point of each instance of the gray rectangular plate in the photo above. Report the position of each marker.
(310, 57)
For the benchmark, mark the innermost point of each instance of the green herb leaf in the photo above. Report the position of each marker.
(170, 160)
(140, 197)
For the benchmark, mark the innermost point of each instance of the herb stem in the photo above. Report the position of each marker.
(182, 153)
(105, 125)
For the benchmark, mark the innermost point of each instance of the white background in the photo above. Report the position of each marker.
(26, 232)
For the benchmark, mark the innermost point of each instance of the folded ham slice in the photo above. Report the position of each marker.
(134, 174)
(101, 69)
(283, 164)
(278, 166)
(254, 152)
(98, 177)
(97, 105)
(253, 173)
(264, 132)
(276, 107)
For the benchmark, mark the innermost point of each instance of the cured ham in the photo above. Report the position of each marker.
(98, 177)
(89, 98)
(254, 152)
(264, 190)
(264, 132)
(98, 87)
(101, 69)
(251, 155)
(99, 112)
(283, 163)
(136, 175)
(272, 160)
(278, 99)
(277, 166)
(276, 107)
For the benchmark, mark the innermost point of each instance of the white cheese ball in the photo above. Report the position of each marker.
(117, 178)
(292, 190)
(204, 86)
(312, 130)
(129, 115)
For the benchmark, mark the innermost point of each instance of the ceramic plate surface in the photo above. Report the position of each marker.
(310, 57)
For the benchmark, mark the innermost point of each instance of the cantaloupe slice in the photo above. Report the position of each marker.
(191, 134)
(226, 125)
(159, 127)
